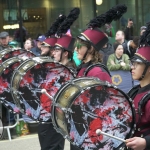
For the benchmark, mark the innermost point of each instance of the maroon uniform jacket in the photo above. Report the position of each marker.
(96, 71)
(143, 121)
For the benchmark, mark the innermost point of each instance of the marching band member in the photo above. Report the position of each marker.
(48, 137)
(140, 66)
(90, 42)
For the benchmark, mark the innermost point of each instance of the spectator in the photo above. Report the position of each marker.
(106, 50)
(129, 30)
(120, 38)
(4, 40)
(28, 44)
(11, 38)
(13, 44)
(118, 60)
(37, 49)
(132, 46)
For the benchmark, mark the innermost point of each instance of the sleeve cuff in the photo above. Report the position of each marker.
(147, 138)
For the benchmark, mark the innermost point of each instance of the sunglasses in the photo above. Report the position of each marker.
(79, 45)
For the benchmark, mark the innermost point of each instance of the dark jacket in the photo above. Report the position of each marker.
(106, 52)
(1, 47)
(36, 51)
(128, 33)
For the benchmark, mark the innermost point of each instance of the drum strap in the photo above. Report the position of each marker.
(132, 93)
(142, 103)
(96, 65)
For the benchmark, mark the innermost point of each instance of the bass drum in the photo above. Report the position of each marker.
(6, 71)
(30, 78)
(84, 105)
(11, 52)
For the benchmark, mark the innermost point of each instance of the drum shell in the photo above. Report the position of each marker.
(66, 97)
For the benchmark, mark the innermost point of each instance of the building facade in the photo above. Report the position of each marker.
(38, 15)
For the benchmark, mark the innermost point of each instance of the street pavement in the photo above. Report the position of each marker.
(28, 142)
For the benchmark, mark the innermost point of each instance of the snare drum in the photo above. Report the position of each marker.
(84, 105)
(11, 52)
(30, 78)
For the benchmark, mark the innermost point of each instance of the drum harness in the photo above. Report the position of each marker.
(102, 66)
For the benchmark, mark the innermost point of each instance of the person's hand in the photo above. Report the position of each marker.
(136, 143)
(130, 23)
(122, 63)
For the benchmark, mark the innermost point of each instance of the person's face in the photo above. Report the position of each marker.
(133, 45)
(11, 39)
(137, 69)
(27, 45)
(81, 50)
(119, 36)
(39, 44)
(4, 41)
(119, 50)
(45, 50)
(57, 54)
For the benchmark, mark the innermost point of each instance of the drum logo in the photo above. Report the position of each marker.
(66, 95)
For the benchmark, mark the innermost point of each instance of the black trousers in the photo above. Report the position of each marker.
(49, 139)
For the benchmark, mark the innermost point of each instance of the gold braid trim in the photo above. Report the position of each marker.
(140, 56)
(46, 44)
(85, 36)
(58, 45)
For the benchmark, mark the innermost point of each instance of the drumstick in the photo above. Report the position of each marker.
(45, 92)
(98, 132)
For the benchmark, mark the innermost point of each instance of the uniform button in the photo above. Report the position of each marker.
(139, 129)
(141, 135)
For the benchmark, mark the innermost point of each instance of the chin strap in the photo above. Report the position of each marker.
(144, 72)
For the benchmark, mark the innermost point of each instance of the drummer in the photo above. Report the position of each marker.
(63, 51)
(88, 45)
(140, 66)
(48, 136)
(47, 46)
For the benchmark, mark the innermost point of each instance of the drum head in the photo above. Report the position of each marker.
(11, 52)
(97, 107)
(41, 75)
(6, 71)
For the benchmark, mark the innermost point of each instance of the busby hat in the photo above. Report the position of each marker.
(93, 34)
(64, 40)
(50, 41)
